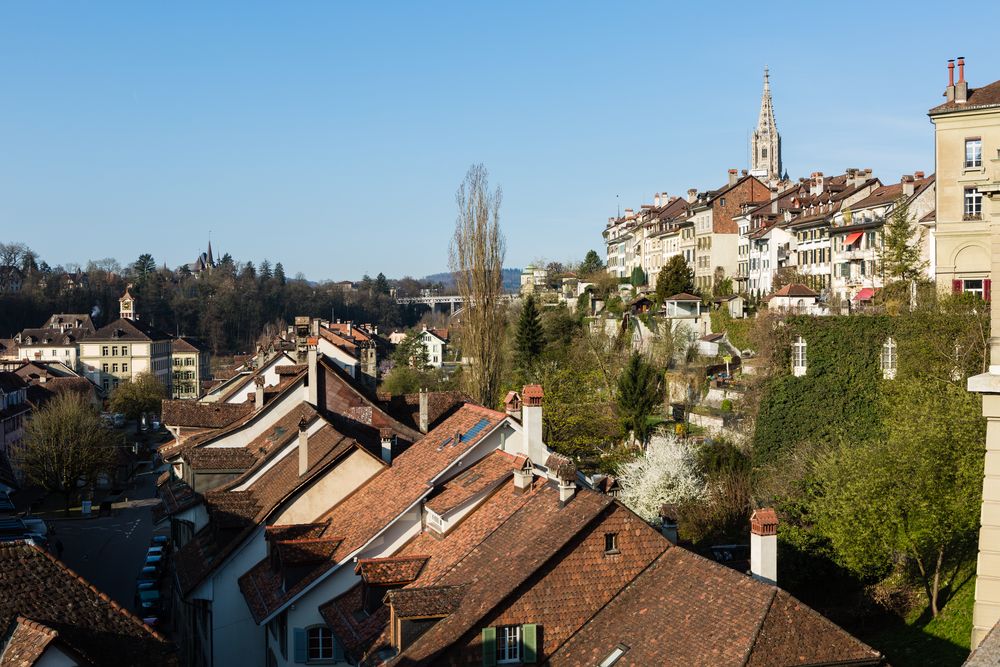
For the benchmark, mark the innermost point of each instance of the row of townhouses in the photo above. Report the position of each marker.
(316, 521)
(828, 229)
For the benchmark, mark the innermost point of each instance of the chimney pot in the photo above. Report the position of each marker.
(764, 545)
(387, 437)
(312, 380)
(961, 69)
(258, 392)
(303, 447)
(524, 476)
(692, 195)
(918, 174)
(424, 412)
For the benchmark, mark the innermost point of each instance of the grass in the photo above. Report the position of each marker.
(921, 641)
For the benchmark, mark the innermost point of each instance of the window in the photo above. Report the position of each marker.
(104, 350)
(973, 152)
(124, 368)
(799, 357)
(124, 350)
(889, 359)
(104, 368)
(615, 654)
(114, 368)
(973, 209)
(763, 152)
(508, 644)
(114, 351)
(611, 543)
(973, 287)
(319, 643)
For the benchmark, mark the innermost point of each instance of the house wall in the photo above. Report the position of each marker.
(963, 245)
(265, 419)
(271, 378)
(344, 361)
(346, 477)
(236, 638)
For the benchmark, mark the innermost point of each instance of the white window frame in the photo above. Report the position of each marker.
(325, 645)
(799, 356)
(972, 203)
(973, 157)
(508, 644)
(890, 358)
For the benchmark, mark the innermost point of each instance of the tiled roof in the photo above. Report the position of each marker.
(233, 515)
(683, 296)
(175, 495)
(440, 405)
(51, 337)
(423, 602)
(977, 98)
(127, 330)
(794, 289)
(77, 320)
(493, 469)
(188, 345)
(220, 458)
(36, 586)
(195, 414)
(887, 194)
(699, 613)
(26, 643)
(373, 506)
(386, 571)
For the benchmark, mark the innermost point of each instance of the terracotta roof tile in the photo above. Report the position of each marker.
(428, 601)
(36, 586)
(390, 571)
(26, 643)
(492, 470)
(203, 415)
(977, 98)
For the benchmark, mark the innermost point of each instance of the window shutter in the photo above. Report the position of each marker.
(489, 647)
(301, 646)
(529, 644)
(338, 650)
(956, 286)
(986, 290)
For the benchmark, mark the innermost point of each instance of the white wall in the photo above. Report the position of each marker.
(265, 419)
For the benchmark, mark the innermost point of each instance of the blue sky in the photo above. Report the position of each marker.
(332, 136)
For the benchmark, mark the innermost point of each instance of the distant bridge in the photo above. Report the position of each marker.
(454, 302)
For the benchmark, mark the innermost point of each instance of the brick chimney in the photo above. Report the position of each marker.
(919, 175)
(949, 92)
(424, 414)
(692, 195)
(258, 382)
(764, 545)
(312, 381)
(303, 447)
(387, 437)
(531, 421)
(512, 404)
(733, 176)
(961, 86)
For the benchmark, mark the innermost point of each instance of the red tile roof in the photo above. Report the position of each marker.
(794, 289)
(494, 469)
(36, 586)
(977, 98)
(194, 414)
(390, 571)
(26, 644)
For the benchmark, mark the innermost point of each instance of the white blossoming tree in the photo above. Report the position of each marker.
(666, 473)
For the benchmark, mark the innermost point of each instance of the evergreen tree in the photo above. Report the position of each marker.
(264, 271)
(638, 277)
(381, 284)
(144, 266)
(900, 253)
(530, 336)
(675, 277)
(279, 274)
(591, 264)
(639, 393)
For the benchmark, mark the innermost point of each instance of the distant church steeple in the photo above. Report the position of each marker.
(765, 145)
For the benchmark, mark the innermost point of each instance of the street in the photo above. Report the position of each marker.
(109, 551)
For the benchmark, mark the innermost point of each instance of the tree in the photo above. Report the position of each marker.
(135, 397)
(667, 473)
(64, 443)
(591, 264)
(675, 277)
(640, 392)
(723, 288)
(144, 266)
(638, 278)
(914, 494)
(265, 270)
(530, 338)
(381, 284)
(279, 274)
(476, 258)
(900, 254)
(411, 352)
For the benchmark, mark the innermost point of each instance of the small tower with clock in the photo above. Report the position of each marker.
(126, 305)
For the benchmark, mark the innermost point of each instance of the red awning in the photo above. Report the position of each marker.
(853, 238)
(865, 294)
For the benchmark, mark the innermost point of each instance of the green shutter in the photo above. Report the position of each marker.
(300, 646)
(489, 647)
(529, 644)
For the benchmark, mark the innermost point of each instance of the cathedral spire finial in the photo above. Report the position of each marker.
(765, 145)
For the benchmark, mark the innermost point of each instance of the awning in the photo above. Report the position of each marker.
(865, 294)
(853, 238)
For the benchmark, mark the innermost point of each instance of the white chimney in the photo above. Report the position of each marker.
(907, 183)
(258, 392)
(303, 447)
(524, 476)
(692, 195)
(566, 490)
(531, 421)
(764, 545)
(424, 413)
(564, 471)
(387, 436)
(733, 177)
(312, 381)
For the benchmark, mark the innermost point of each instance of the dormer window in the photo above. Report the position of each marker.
(611, 544)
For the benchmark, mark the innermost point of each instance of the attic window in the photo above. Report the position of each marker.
(615, 654)
(611, 544)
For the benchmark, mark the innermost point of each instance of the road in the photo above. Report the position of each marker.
(109, 551)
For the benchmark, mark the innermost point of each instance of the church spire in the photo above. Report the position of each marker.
(765, 146)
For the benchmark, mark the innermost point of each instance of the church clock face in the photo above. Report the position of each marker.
(127, 304)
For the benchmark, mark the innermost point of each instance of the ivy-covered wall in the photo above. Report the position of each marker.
(838, 396)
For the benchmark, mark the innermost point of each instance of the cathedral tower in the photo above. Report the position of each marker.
(765, 145)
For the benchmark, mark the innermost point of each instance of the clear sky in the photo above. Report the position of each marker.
(332, 136)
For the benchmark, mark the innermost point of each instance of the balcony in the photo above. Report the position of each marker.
(855, 255)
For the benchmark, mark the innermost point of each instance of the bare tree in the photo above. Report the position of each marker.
(476, 258)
